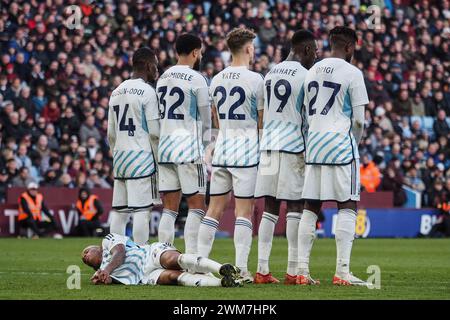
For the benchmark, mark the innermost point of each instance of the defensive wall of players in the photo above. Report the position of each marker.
(376, 216)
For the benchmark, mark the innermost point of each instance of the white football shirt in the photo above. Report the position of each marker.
(333, 87)
(131, 272)
(283, 108)
(131, 105)
(238, 94)
(181, 90)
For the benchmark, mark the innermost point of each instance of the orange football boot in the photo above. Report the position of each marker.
(306, 280)
(288, 279)
(265, 278)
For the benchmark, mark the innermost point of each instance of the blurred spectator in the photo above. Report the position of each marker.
(370, 174)
(393, 181)
(413, 180)
(23, 178)
(95, 181)
(89, 210)
(34, 214)
(88, 129)
(440, 126)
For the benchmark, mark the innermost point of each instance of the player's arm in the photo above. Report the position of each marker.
(358, 122)
(102, 276)
(359, 99)
(215, 119)
(111, 133)
(204, 110)
(152, 115)
(260, 103)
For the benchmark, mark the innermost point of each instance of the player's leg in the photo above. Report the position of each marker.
(290, 188)
(307, 224)
(142, 195)
(170, 187)
(266, 186)
(293, 215)
(306, 236)
(175, 277)
(265, 237)
(193, 184)
(195, 264)
(348, 177)
(244, 181)
(221, 185)
(120, 212)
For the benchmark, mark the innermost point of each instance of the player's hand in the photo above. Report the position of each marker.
(95, 278)
(104, 277)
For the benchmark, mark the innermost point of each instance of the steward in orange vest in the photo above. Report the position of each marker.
(89, 209)
(31, 207)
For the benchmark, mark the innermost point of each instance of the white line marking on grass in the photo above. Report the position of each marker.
(38, 273)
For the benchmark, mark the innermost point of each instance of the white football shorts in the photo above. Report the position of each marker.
(332, 183)
(136, 193)
(280, 175)
(153, 268)
(190, 178)
(241, 180)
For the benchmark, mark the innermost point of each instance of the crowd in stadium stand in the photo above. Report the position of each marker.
(55, 80)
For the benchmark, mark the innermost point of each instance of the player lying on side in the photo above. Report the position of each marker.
(120, 260)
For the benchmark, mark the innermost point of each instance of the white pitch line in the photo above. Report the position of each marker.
(39, 273)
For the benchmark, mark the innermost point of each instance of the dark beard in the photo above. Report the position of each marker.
(196, 66)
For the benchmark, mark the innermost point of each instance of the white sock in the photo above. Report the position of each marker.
(166, 228)
(265, 237)
(345, 234)
(306, 235)
(243, 230)
(191, 227)
(198, 280)
(206, 233)
(141, 226)
(197, 264)
(119, 222)
(292, 222)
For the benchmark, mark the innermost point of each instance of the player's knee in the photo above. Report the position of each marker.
(272, 205)
(295, 206)
(169, 277)
(169, 260)
(196, 201)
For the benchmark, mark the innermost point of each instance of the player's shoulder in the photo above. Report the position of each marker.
(254, 76)
(199, 78)
(113, 239)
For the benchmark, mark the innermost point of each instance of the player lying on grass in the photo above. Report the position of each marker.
(120, 260)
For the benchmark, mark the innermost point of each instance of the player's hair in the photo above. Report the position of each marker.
(301, 36)
(186, 43)
(342, 35)
(142, 56)
(238, 37)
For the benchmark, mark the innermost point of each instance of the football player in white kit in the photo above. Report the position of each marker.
(133, 123)
(238, 100)
(121, 261)
(335, 97)
(282, 165)
(185, 116)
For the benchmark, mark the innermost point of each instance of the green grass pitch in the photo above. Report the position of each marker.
(410, 269)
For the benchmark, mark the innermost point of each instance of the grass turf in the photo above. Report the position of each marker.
(410, 269)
